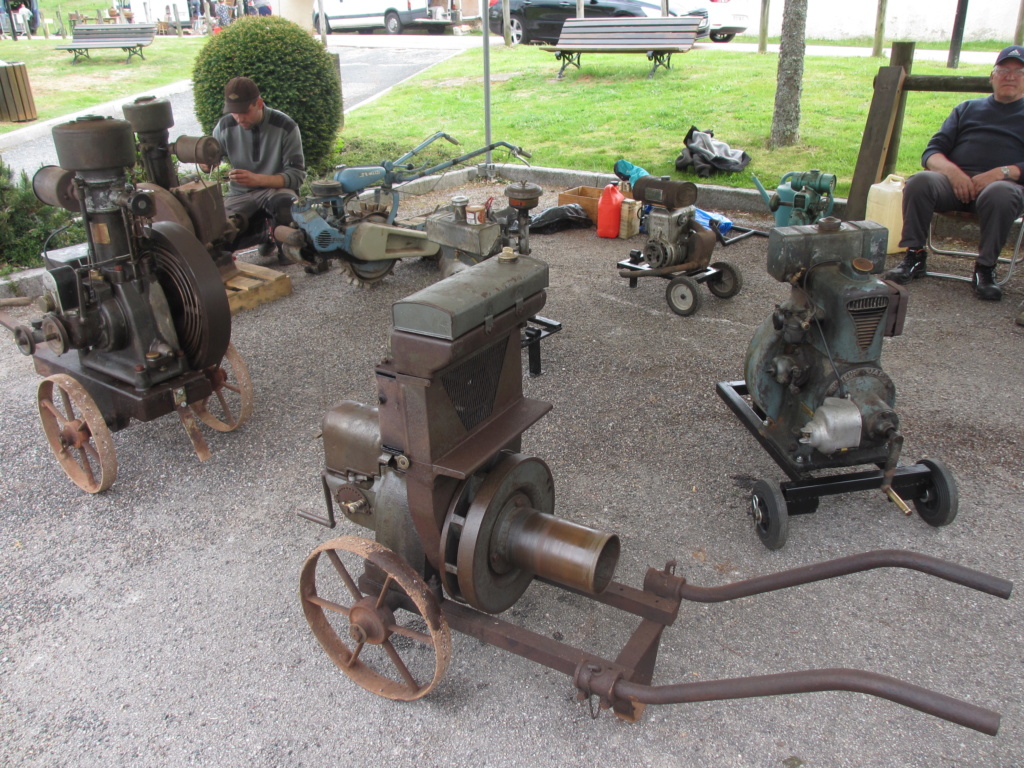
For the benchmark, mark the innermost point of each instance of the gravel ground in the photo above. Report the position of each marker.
(158, 623)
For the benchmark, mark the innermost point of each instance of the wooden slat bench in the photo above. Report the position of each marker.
(131, 38)
(657, 37)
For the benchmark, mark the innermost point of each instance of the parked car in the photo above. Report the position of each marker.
(542, 20)
(392, 16)
(729, 18)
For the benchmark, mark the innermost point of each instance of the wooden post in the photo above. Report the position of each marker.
(876, 50)
(875, 143)
(1018, 32)
(177, 21)
(902, 56)
(42, 23)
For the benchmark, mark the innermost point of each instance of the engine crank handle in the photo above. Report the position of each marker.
(814, 680)
(843, 566)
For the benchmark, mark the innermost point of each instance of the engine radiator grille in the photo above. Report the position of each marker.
(473, 384)
(867, 313)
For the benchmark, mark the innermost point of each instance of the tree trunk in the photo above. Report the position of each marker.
(789, 82)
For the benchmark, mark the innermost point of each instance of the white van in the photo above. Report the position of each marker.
(393, 16)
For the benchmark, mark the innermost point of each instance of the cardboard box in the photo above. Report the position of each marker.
(585, 197)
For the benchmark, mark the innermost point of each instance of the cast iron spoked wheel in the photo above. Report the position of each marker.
(682, 296)
(77, 433)
(230, 405)
(938, 504)
(393, 24)
(517, 30)
(727, 283)
(718, 37)
(771, 519)
(353, 609)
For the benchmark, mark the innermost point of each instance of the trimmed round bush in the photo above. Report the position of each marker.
(294, 72)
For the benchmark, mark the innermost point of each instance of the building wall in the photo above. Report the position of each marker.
(918, 20)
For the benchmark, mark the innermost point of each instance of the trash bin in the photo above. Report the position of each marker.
(16, 102)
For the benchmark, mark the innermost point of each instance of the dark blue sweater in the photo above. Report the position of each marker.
(981, 134)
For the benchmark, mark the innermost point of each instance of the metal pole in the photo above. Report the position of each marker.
(762, 32)
(487, 89)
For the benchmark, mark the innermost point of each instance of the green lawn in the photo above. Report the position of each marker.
(609, 110)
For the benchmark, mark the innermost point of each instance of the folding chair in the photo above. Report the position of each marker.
(1013, 260)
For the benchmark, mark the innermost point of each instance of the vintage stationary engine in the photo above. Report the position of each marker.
(352, 217)
(814, 376)
(678, 247)
(465, 522)
(800, 198)
(136, 323)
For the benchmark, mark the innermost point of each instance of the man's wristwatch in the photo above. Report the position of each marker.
(1006, 171)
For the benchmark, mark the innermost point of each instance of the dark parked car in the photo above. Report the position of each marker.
(531, 20)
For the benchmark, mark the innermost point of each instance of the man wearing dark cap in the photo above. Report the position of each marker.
(264, 148)
(974, 163)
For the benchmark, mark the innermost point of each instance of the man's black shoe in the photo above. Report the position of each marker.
(985, 283)
(912, 267)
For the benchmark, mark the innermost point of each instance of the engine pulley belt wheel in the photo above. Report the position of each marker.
(198, 302)
(484, 581)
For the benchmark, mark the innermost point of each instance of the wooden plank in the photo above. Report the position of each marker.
(875, 142)
(249, 285)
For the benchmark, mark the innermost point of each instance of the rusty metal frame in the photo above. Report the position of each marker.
(623, 685)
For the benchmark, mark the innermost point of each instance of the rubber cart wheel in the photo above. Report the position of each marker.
(939, 503)
(771, 519)
(727, 283)
(682, 296)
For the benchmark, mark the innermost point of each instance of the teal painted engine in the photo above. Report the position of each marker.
(814, 393)
(814, 365)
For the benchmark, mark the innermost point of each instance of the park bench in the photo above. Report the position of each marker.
(131, 38)
(657, 37)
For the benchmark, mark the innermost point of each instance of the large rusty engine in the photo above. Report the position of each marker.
(464, 523)
(455, 496)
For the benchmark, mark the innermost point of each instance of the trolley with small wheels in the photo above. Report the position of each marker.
(678, 247)
(928, 485)
(682, 293)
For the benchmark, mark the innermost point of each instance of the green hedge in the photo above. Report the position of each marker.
(295, 74)
(26, 223)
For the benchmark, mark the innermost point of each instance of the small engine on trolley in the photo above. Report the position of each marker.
(678, 247)
(818, 396)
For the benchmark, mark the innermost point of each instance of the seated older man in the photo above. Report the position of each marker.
(974, 163)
